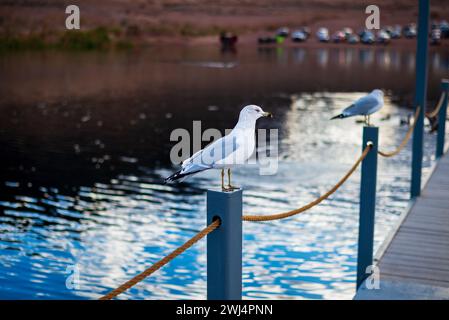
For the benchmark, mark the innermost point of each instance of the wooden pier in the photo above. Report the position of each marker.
(414, 261)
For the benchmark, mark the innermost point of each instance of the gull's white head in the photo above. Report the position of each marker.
(253, 112)
(378, 92)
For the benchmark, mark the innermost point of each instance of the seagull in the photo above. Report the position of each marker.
(365, 106)
(227, 152)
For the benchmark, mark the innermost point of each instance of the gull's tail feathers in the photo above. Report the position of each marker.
(340, 116)
(183, 173)
(350, 111)
(178, 176)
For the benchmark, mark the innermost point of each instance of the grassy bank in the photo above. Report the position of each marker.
(95, 39)
(102, 38)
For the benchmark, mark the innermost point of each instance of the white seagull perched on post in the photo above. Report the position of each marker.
(227, 152)
(365, 106)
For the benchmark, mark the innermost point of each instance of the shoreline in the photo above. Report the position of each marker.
(91, 41)
(196, 22)
(312, 43)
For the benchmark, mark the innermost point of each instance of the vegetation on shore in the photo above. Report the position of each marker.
(99, 38)
(102, 38)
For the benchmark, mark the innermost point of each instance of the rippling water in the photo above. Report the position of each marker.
(83, 161)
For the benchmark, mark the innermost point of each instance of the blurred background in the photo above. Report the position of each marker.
(86, 117)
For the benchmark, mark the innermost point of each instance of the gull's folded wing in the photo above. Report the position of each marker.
(212, 154)
(362, 106)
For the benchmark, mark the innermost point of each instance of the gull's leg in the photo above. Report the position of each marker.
(230, 187)
(222, 180)
(366, 120)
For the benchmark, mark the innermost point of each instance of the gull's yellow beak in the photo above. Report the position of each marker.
(268, 114)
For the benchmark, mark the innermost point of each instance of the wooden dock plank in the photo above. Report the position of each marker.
(416, 262)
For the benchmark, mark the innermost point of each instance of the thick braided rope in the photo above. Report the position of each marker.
(435, 111)
(130, 283)
(315, 202)
(405, 140)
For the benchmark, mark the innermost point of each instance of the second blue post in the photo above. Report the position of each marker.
(224, 246)
(367, 204)
(422, 44)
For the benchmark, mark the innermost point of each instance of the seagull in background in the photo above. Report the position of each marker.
(365, 106)
(227, 152)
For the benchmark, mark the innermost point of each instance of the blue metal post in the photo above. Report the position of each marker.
(420, 95)
(367, 204)
(224, 246)
(442, 119)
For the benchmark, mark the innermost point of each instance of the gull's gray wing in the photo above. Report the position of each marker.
(211, 154)
(362, 106)
(206, 158)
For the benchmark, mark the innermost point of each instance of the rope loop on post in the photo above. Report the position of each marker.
(130, 283)
(405, 140)
(436, 110)
(258, 218)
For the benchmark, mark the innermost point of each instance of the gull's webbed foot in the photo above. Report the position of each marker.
(230, 188)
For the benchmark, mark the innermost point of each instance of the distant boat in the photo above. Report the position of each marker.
(323, 35)
(228, 41)
(299, 36)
